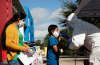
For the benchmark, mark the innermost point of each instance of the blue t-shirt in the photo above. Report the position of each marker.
(52, 56)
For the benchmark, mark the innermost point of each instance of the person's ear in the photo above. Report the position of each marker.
(18, 19)
(52, 31)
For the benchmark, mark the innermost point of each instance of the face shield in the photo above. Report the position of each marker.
(69, 26)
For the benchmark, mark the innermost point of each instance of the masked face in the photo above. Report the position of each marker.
(70, 28)
(69, 25)
(56, 32)
(21, 23)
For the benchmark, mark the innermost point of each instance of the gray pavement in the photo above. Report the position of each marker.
(64, 60)
(70, 60)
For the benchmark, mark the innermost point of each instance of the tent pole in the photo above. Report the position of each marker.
(75, 56)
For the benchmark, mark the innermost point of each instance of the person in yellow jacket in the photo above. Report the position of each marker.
(12, 39)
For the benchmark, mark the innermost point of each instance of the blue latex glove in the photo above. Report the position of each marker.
(65, 35)
(69, 43)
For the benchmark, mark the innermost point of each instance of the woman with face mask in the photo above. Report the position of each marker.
(12, 39)
(21, 23)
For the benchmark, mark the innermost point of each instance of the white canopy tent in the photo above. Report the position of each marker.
(88, 8)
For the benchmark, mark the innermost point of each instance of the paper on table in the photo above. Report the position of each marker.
(40, 59)
(24, 58)
(28, 58)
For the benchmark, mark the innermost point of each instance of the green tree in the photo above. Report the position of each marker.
(45, 41)
(71, 6)
(38, 42)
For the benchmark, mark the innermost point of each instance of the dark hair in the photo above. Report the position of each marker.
(51, 28)
(18, 15)
(13, 19)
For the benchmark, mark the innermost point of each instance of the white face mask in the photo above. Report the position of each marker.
(56, 34)
(21, 24)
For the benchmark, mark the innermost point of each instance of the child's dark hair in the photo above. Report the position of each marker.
(51, 28)
(13, 19)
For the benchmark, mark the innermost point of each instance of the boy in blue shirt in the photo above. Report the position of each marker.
(53, 46)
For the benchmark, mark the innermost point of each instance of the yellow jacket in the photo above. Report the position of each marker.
(12, 42)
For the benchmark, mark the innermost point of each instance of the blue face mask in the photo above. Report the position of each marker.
(70, 28)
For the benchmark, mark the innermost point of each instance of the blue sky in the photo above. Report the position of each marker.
(48, 4)
(44, 13)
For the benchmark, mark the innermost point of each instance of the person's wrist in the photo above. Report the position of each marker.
(69, 43)
(60, 41)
